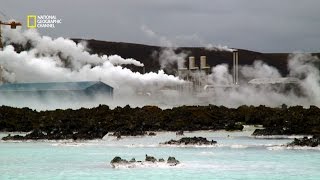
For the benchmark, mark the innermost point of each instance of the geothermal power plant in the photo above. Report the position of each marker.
(195, 73)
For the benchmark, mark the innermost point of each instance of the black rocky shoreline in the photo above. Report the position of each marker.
(95, 123)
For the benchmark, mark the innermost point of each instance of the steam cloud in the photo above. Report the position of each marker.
(61, 60)
(167, 56)
(54, 60)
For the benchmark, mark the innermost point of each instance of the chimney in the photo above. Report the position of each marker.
(203, 63)
(235, 67)
(192, 63)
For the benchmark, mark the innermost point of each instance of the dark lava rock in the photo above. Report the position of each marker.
(118, 160)
(234, 127)
(13, 138)
(132, 160)
(305, 141)
(35, 135)
(191, 141)
(150, 159)
(179, 133)
(129, 133)
(172, 161)
(268, 132)
(152, 134)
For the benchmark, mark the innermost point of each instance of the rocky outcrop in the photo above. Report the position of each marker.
(268, 132)
(95, 122)
(13, 138)
(149, 160)
(234, 127)
(119, 134)
(305, 141)
(37, 134)
(190, 141)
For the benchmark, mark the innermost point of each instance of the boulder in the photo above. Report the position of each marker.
(172, 161)
(150, 159)
(152, 134)
(132, 160)
(117, 161)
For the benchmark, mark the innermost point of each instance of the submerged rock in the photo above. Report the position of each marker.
(305, 141)
(191, 141)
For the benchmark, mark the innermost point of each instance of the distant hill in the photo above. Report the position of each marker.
(145, 54)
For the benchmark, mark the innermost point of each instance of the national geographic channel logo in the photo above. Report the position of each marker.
(42, 21)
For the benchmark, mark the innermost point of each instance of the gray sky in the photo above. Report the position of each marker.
(261, 25)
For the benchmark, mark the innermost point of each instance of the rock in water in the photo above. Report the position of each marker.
(152, 134)
(14, 138)
(150, 159)
(305, 141)
(179, 133)
(191, 141)
(117, 161)
(172, 161)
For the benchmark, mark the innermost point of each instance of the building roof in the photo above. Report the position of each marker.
(49, 86)
(286, 80)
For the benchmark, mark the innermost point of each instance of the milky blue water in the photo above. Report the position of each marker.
(238, 156)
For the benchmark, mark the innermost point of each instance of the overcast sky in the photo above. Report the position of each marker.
(261, 25)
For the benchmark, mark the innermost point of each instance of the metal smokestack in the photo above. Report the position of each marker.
(235, 67)
(203, 63)
(192, 63)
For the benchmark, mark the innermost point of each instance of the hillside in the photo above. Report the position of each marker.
(145, 54)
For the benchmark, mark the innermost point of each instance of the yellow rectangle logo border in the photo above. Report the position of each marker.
(34, 17)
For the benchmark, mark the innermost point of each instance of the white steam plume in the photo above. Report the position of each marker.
(218, 47)
(118, 60)
(167, 56)
(301, 66)
(60, 59)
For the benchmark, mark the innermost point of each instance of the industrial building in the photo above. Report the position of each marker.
(56, 89)
(198, 76)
